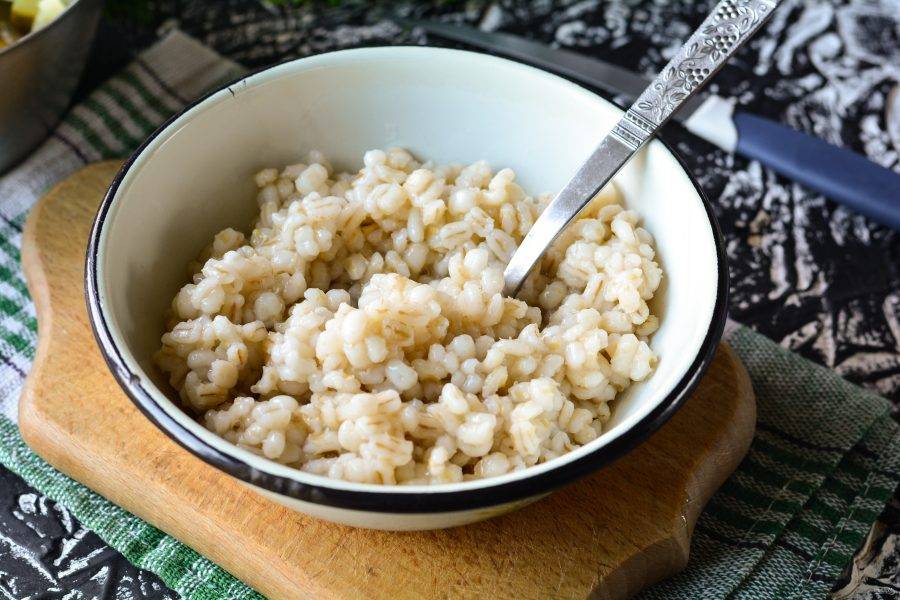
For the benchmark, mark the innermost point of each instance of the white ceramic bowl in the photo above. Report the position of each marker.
(192, 178)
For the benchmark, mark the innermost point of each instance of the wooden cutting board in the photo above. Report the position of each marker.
(607, 536)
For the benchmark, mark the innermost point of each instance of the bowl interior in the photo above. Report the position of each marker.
(194, 178)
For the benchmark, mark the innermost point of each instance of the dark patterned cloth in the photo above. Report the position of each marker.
(806, 272)
(46, 554)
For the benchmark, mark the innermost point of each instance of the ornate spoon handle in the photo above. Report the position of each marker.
(726, 29)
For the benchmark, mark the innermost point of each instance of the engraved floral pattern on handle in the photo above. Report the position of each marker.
(723, 31)
(731, 23)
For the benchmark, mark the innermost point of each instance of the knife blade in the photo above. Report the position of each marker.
(841, 174)
(591, 71)
(707, 115)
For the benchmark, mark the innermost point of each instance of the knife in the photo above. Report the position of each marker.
(840, 174)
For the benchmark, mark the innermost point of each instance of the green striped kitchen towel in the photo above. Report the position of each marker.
(824, 461)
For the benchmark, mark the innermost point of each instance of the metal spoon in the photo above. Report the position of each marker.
(731, 23)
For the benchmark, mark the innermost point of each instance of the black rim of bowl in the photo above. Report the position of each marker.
(393, 499)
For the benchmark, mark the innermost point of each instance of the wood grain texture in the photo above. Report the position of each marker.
(607, 536)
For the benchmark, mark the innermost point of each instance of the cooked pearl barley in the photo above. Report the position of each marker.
(360, 331)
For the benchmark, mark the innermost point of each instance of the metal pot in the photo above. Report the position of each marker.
(38, 75)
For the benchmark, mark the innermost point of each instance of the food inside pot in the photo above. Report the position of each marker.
(20, 17)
